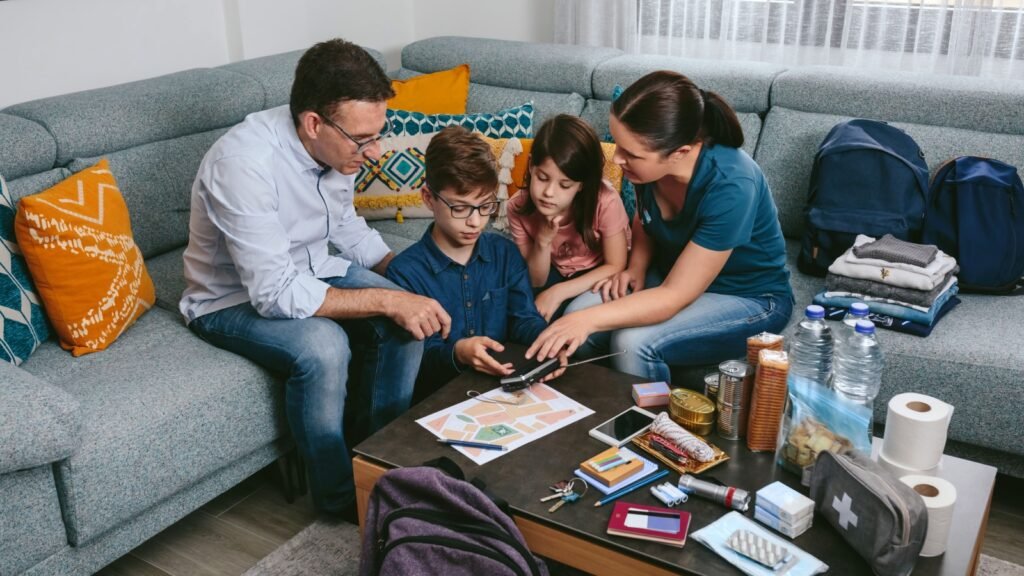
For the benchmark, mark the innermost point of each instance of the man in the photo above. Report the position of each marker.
(270, 195)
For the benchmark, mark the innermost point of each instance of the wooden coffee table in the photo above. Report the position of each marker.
(575, 534)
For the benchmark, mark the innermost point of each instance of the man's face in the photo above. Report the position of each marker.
(345, 137)
(458, 230)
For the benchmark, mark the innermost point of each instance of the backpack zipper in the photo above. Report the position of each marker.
(452, 543)
(892, 497)
(453, 520)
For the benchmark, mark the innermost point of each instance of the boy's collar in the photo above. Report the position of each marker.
(438, 260)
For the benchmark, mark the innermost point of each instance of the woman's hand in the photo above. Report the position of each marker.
(618, 285)
(548, 302)
(563, 361)
(564, 336)
(472, 352)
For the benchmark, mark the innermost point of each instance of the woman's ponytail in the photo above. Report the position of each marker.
(720, 124)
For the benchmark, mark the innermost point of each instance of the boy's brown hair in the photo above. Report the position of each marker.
(458, 159)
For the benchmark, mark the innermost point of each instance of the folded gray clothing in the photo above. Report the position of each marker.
(892, 249)
(838, 283)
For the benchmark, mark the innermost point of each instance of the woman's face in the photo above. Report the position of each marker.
(639, 163)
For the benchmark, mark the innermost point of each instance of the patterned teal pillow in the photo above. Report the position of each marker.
(511, 123)
(22, 322)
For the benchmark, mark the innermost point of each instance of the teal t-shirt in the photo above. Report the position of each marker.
(728, 206)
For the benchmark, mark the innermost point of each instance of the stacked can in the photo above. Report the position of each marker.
(768, 401)
(692, 410)
(711, 386)
(731, 404)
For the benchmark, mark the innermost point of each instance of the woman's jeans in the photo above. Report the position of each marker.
(713, 328)
(314, 355)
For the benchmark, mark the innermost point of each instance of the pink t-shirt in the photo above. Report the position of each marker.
(569, 253)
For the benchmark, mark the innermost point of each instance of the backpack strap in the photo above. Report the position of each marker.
(498, 500)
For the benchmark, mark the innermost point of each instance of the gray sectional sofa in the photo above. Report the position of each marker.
(99, 453)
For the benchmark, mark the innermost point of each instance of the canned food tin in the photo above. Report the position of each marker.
(732, 421)
(711, 386)
(691, 406)
(732, 383)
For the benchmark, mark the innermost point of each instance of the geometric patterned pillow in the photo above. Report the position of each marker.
(511, 123)
(22, 321)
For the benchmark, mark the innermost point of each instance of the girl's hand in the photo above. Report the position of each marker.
(618, 285)
(546, 234)
(472, 352)
(564, 336)
(548, 302)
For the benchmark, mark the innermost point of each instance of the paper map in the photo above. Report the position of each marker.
(541, 410)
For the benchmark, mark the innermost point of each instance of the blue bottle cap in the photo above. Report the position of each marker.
(814, 311)
(859, 309)
(865, 327)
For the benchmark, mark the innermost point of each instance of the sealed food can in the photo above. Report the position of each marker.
(711, 386)
(692, 410)
(732, 421)
(732, 384)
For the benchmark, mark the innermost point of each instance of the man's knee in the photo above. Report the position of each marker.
(323, 347)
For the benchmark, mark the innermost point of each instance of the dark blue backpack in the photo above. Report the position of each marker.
(976, 215)
(868, 178)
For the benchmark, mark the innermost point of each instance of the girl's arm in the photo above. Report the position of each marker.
(537, 253)
(694, 270)
(616, 253)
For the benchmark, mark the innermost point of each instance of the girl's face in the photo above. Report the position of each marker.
(639, 163)
(551, 190)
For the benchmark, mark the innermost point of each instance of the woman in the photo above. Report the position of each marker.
(708, 264)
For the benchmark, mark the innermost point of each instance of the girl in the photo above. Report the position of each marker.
(708, 265)
(569, 224)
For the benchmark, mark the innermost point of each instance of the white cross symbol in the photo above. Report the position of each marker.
(846, 515)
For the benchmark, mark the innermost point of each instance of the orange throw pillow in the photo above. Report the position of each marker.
(442, 92)
(77, 241)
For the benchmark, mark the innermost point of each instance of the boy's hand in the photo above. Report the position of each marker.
(420, 316)
(472, 352)
(548, 302)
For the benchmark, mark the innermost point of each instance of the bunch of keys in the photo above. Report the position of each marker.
(566, 491)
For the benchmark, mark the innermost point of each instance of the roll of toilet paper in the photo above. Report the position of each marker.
(915, 431)
(939, 498)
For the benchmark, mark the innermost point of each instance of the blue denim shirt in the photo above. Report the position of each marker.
(489, 296)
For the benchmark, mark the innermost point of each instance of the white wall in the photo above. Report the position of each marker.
(51, 47)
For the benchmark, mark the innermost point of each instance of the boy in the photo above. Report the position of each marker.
(479, 278)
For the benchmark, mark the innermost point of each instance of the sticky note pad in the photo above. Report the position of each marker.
(612, 476)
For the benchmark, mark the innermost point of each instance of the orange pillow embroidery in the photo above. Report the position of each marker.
(77, 241)
(443, 92)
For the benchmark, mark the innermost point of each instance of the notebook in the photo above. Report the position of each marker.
(644, 522)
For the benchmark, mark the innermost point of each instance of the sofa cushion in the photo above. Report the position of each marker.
(28, 185)
(168, 272)
(27, 147)
(965, 361)
(31, 528)
(39, 422)
(23, 324)
(985, 104)
(790, 139)
(156, 182)
(77, 241)
(161, 410)
(409, 230)
(559, 68)
(104, 120)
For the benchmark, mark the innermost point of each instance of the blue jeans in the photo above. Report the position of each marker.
(314, 355)
(713, 328)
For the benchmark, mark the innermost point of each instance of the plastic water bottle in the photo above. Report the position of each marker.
(859, 365)
(810, 349)
(857, 311)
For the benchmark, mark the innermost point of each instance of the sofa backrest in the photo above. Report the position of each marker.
(947, 116)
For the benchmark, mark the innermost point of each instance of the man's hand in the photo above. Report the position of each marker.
(564, 336)
(420, 316)
(618, 285)
(472, 352)
(548, 302)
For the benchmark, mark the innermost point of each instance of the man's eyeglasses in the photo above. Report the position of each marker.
(361, 145)
(463, 211)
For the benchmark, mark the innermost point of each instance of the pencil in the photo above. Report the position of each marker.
(638, 484)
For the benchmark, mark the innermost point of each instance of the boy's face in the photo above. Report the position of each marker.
(450, 208)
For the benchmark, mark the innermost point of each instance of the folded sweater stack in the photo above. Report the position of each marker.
(909, 282)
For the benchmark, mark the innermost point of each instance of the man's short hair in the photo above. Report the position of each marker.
(333, 71)
(458, 159)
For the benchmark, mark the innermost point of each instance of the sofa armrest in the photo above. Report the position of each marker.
(39, 422)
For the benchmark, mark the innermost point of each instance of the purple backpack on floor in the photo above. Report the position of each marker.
(423, 521)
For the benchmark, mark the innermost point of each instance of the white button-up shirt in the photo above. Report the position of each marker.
(263, 212)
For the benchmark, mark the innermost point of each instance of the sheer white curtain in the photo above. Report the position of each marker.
(968, 37)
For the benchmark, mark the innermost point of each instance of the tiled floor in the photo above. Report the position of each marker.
(230, 534)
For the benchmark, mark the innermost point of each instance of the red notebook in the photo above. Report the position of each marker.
(663, 525)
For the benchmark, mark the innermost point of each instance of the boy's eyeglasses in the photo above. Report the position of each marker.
(361, 145)
(463, 211)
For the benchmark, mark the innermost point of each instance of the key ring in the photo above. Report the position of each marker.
(571, 486)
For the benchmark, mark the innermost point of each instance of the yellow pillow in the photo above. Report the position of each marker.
(612, 171)
(442, 92)
(77, 241)
(507, 152)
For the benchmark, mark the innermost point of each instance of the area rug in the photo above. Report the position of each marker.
(332, 549)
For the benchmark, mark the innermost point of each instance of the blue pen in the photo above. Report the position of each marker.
(631, 487)
(469, 444)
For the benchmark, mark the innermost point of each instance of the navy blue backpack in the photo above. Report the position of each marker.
(868, 178)
(976, 215)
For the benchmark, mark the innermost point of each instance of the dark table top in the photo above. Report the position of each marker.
(522, 476)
